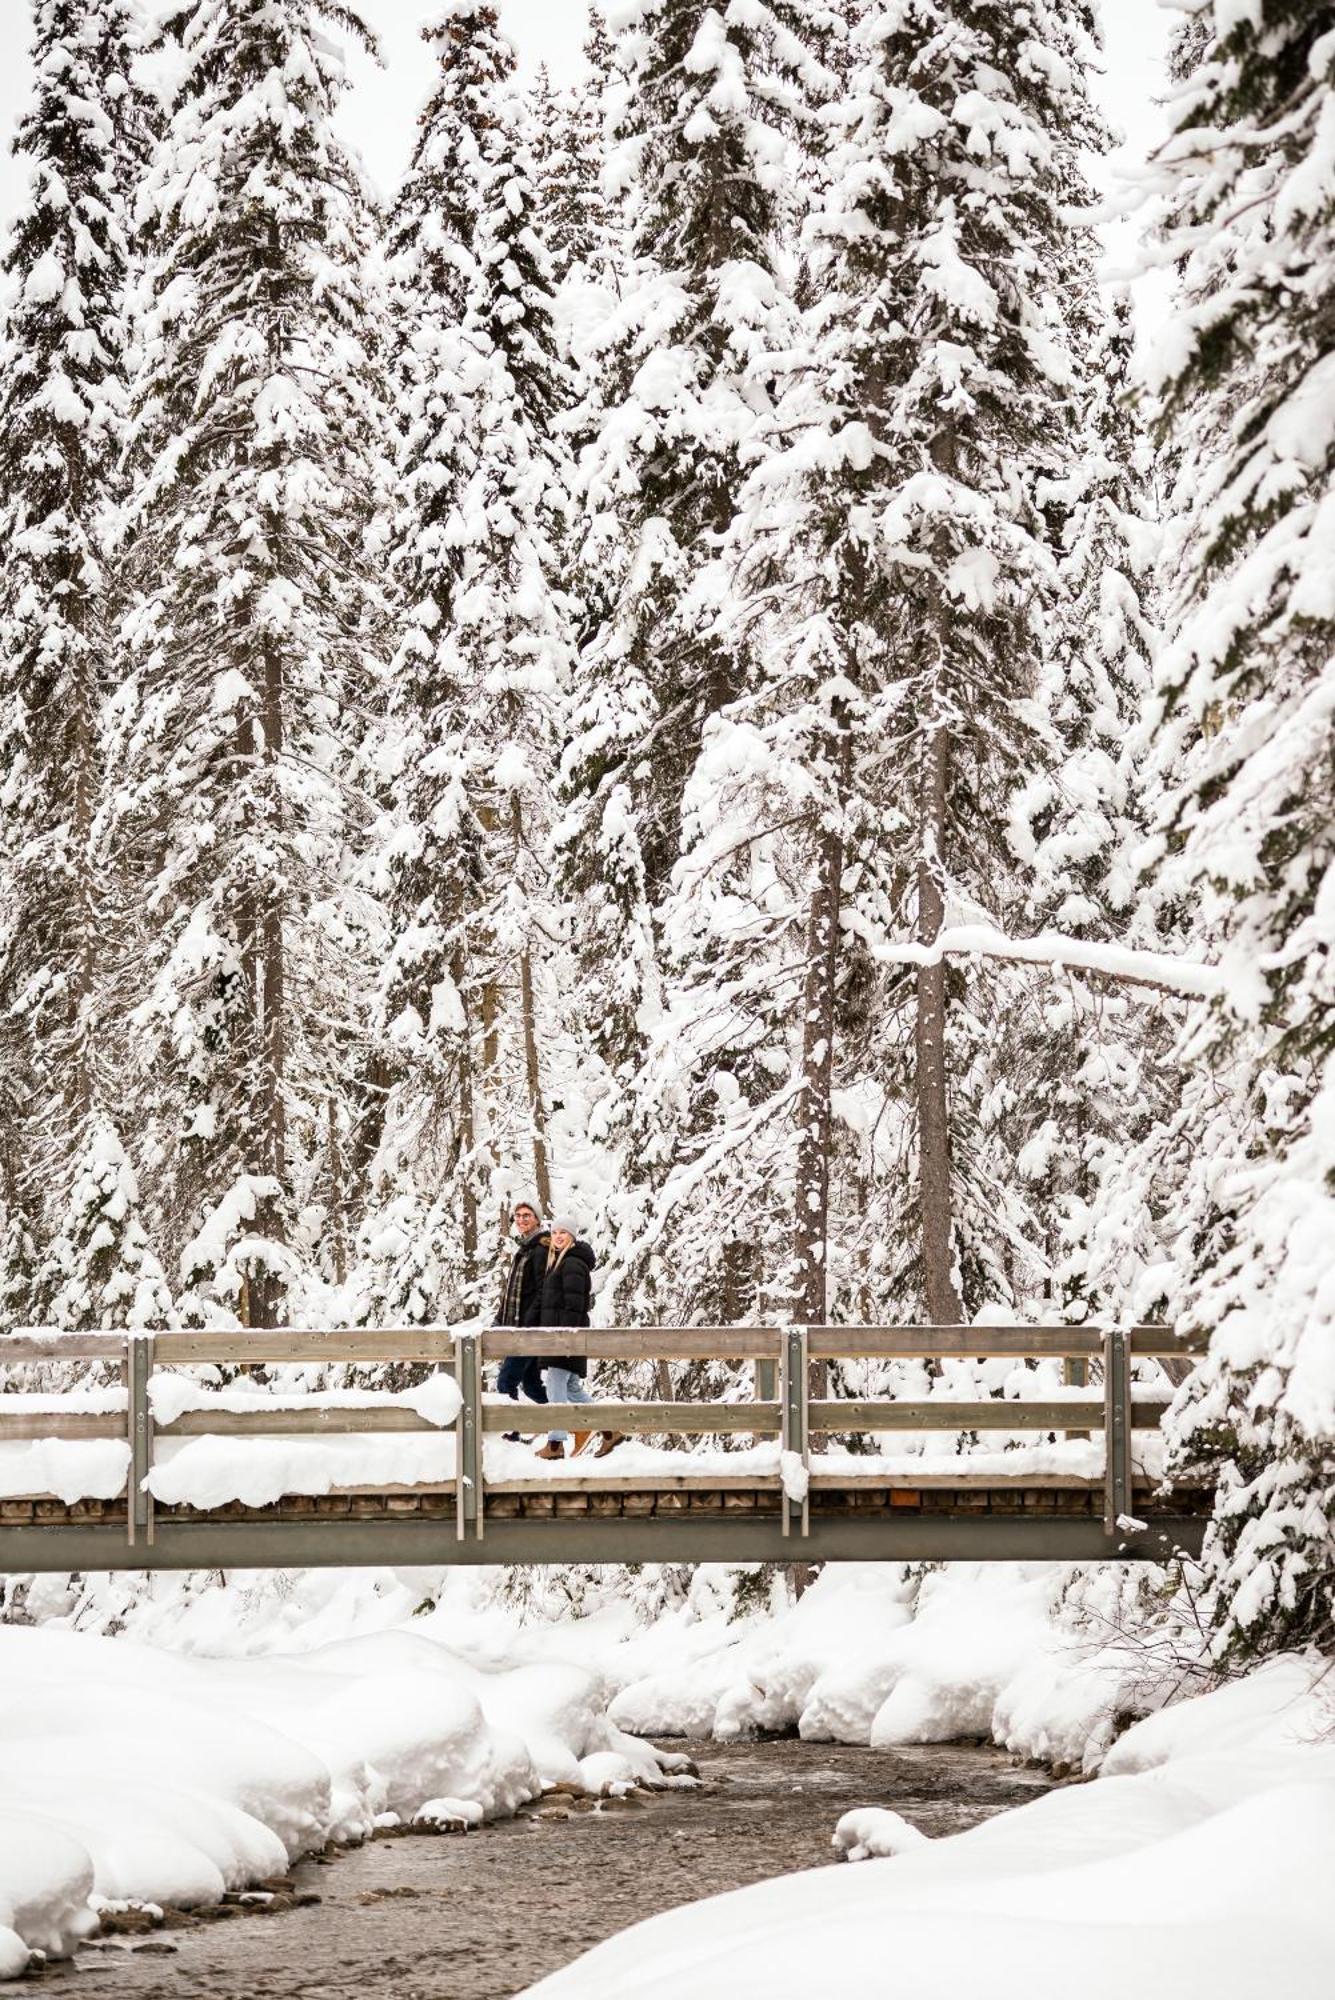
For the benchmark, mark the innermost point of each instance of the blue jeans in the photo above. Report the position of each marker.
(519, 1376)
(563, 1385)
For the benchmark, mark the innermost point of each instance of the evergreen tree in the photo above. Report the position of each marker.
(103, 1272)
(1085, 1063)
(684, 366)
(1246, 384)
(257, 425)
(703, 157)
(473, 721)
(895, 560)
(62, 427)
(566, 147)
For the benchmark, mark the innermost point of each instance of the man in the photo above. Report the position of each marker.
(521, 1304)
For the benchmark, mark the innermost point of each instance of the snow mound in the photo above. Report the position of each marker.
(136, 1775)
(864, 1656)
(449, 1815)
(872, 1832)
(1203, 1867)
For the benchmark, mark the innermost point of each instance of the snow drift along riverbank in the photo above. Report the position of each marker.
(871, 1654)
(129, 1772)
(1199, 1863)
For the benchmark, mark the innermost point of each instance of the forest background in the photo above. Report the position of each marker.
(677, 662)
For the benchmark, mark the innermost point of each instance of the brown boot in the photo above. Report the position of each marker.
(608, 1441)
(581, 1438)
(550, 1450)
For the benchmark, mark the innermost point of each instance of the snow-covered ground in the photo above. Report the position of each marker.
(237, 1720)
(1200, 1863)
(872, 1653)
(131, 1772)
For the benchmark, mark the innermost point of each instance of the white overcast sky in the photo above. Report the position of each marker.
(382, 109)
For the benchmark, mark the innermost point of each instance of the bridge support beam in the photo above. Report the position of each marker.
(470, 1510)
(404, 1542)
(795, 1391)
(138, 1367)
(1117, 1486)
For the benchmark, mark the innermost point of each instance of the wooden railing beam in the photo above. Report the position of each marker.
(698, 1419)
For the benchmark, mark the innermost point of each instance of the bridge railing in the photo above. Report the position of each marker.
(781, 1405)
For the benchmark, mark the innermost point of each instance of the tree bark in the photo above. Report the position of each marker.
(337, 1198)
(810, 1290)
(944, 1307)
(533, 1076)
(532, 1071)
(467, 1129)
(813, 1139)
(269, 1000)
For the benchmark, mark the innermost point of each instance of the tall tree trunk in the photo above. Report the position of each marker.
(467, 1129)
(938, 1248)
(533, 1076)
(813, 1131)
(81, 999)
(374, 1085)
(810, 1290)
(269, 989)
(485, 1079)
(532, 1072)
(337, 1194)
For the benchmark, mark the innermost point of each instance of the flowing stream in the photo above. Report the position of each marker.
(480, 1917)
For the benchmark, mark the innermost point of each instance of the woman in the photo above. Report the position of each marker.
(567, 1293)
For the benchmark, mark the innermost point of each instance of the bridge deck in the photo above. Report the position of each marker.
(686, 1509)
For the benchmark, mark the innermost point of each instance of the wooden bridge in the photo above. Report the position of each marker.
(814, 1499)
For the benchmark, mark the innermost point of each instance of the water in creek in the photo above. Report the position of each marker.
(481, 1917)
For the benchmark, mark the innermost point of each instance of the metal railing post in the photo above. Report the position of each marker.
(468, 1503)
(1116, 1428)
(139, 1431)
(1075, 1373)
(794, 1390)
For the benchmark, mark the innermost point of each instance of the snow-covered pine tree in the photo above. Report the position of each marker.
(102, 1269)
(703, 160)
(257, 425)
(566, 128)
(896, 562)
(1246, 382)
(62, 433)
(1084, 1062)
(472, 732)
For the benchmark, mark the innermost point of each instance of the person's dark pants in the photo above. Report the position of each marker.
(518, 1372)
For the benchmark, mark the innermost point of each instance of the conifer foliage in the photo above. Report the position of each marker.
(256, 432)
(1247, 382)
(701, 157)
(502, 694)
(62, 425)
(897, 579)
(1089, 1061)
(472, 737)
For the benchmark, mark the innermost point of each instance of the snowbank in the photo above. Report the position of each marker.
(886, 1655)
(872, 1652)
(869, 1654)
(135, 1773)
(1201, 1864)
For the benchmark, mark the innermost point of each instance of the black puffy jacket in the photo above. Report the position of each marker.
(567, 1293)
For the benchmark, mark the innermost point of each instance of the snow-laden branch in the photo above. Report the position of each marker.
(1054, 948)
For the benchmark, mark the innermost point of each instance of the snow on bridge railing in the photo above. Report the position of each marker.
(147, 1408)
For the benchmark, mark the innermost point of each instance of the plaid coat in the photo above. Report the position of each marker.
(522, 1297)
